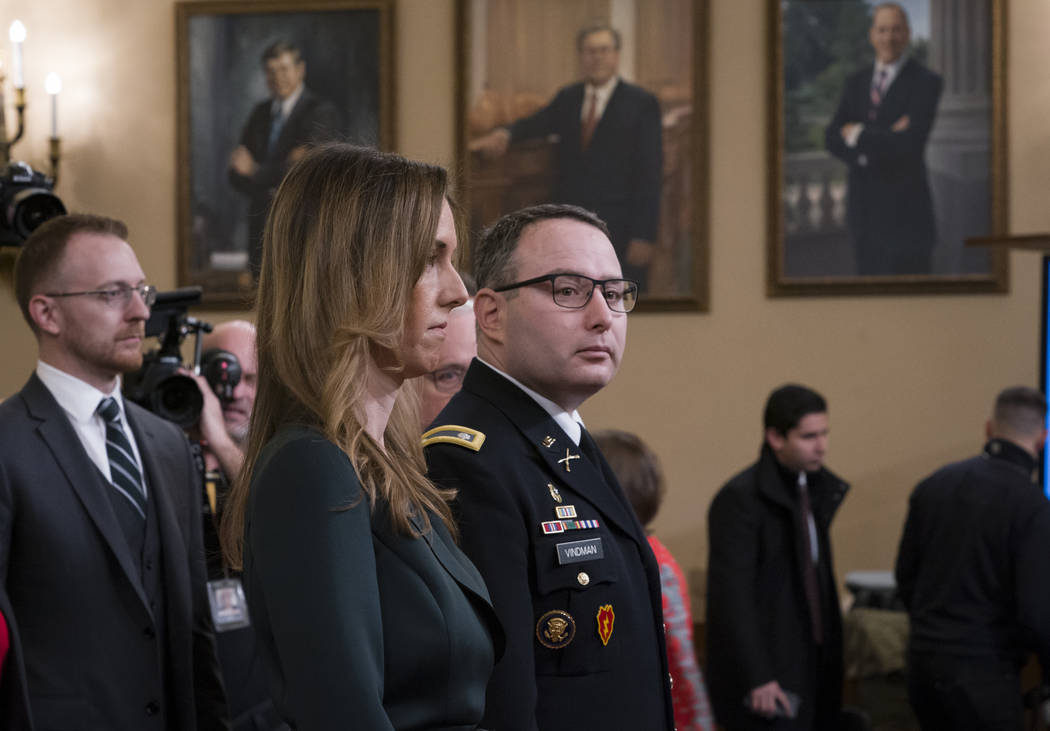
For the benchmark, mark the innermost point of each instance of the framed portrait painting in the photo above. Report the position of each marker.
(887, 146)
(259, 82)
(601, 104)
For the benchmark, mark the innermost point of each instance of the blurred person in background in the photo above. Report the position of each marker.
(638, 470)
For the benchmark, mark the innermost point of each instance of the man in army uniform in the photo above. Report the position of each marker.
(568, 566)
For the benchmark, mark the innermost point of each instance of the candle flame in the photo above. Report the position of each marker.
(17, 33)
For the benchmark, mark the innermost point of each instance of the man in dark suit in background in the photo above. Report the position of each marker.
(973, 571)
(540, 512)
(277, 134)
(100, 521)
(774, 628)
(880, 131)
(609, 155)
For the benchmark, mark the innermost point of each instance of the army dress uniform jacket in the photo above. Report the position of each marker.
(567, 564)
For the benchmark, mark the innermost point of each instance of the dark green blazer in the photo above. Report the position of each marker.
(362, 627)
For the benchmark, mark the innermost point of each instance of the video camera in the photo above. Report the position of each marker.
(158, 385)
(26, 201)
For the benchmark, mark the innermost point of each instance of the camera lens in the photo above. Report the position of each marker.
(177, 399)
(30, 207)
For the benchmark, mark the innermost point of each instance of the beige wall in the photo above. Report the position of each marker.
(909, 379)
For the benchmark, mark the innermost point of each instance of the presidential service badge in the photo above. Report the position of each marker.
(555, 629)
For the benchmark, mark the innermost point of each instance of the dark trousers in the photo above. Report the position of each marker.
(964, 693)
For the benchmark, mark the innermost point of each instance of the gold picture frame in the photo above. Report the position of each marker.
(863, 227)
(223, 98)
(519, 56)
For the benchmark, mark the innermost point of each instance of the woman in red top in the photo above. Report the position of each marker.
(639, 473)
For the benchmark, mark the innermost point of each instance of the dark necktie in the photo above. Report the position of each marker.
(276, 122)
(590, 120)
(125, 475)
(809, 564)
(589, 448)
(878, 88)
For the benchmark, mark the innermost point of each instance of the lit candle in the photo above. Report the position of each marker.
(18, 36)
(53, 85)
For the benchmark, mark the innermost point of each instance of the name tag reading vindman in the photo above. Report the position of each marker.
(576, 551)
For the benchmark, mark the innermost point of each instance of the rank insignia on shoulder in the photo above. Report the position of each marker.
(452, 434)
(565, 511)
(556, 629)
(606, 617)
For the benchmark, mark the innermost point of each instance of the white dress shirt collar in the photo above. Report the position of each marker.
(892, 69)
(288, 104)
(604, 92)
(77, 398)
(571, 423)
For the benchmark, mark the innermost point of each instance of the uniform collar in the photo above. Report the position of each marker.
(571, 423)
(1011, 453)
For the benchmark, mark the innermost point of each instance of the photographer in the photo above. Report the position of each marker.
(223, 432)
(224, 424)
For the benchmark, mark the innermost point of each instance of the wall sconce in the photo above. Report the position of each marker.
(53, 85)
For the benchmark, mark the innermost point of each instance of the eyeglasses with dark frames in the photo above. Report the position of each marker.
(573, 291)
(117, 296)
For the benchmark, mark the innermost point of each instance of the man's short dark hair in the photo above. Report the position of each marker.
(42, 252)
(492, 260)
(593, 28)
(279, 48)
(1020, 409)
(637, 469)
(787, 406)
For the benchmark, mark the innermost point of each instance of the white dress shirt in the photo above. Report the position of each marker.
(80, 401)
(603, 92)
(571, 423)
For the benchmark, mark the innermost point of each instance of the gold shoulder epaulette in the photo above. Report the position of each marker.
(452, 434)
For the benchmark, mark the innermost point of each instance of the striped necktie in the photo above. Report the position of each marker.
(878, 88)
(125, 475)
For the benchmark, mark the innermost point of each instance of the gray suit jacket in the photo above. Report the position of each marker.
(93, 656)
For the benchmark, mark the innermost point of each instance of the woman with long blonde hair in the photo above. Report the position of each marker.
(367, 613)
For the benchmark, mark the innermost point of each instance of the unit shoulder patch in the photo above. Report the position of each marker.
(452, 434)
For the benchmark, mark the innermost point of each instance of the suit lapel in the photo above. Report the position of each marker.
(73, 461)
(551, 444)
(612, 108)
(889, 109)
(467, 579)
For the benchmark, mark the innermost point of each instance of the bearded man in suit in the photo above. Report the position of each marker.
(100, 510)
